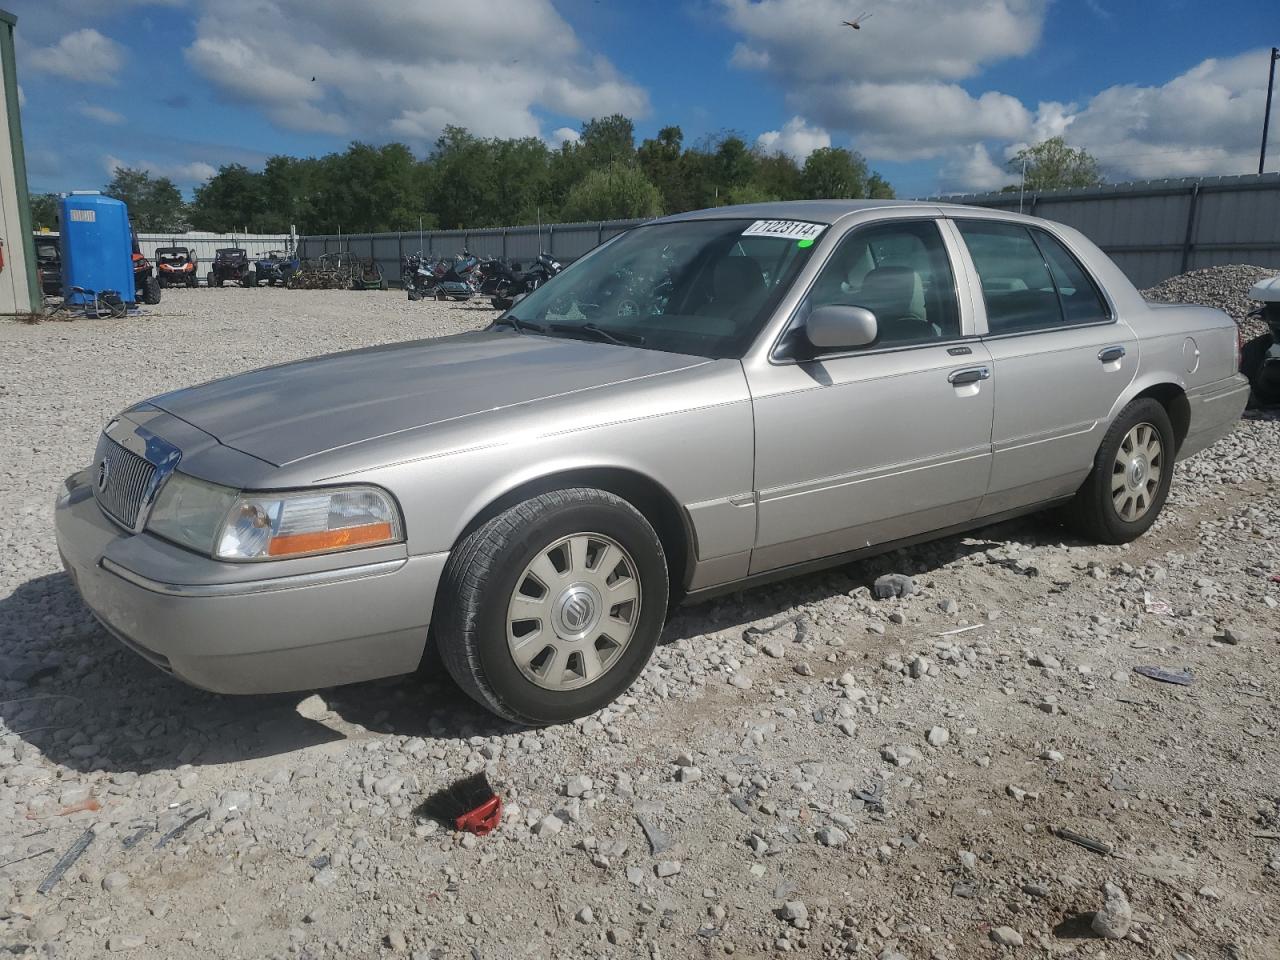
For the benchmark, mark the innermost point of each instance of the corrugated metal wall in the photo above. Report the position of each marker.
(1155, 229)
(564, 241)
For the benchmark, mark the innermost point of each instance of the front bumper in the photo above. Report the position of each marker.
(282, 631)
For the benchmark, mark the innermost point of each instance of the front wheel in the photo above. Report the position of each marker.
(550, 610)
(1130, 479)
(151, 291)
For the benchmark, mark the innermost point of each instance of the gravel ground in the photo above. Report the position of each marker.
(801, 768)
(1226, 288)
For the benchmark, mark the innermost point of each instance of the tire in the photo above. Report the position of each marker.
(1108, 513)
(489, 573)
(151, 291)
(414, 295)
(250, 280)
(162, 281)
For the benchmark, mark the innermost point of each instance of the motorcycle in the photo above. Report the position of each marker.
(510, 283)
(458, 280)
(418, 276)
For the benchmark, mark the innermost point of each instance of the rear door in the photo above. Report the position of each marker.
(1060, 357)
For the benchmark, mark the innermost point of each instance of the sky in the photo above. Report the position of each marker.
(936, 94)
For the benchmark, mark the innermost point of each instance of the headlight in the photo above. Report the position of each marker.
(271, 525)
(190, 511)
(229, 524)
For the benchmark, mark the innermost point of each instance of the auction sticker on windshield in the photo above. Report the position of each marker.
(785, 229)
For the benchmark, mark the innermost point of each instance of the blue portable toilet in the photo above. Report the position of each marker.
(97, 246)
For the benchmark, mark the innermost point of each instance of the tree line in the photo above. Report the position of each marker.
(467, 181)
(470, 181)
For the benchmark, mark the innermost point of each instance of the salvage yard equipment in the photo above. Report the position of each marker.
(231, 265)
(338, 271)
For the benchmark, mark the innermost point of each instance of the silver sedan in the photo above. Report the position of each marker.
(707, 401)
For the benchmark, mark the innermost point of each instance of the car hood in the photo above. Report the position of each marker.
(287, 413)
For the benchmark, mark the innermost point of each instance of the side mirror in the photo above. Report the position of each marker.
(835, 326)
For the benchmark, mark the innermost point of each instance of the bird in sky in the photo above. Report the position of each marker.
(856, 22)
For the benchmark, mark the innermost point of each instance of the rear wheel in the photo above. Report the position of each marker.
(151, 291)
(1130, 479)
(550, 610)
(250, 279)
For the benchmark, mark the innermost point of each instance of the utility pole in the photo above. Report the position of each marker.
(1266, 115)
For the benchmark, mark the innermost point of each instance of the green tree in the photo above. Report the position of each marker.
(232, 199)
(777, 175)
(607, 140)
(660, 160)
(44, 210)
(155, 204)
(878, 188)
(621, 193)
(834, 173)
(1052, 165)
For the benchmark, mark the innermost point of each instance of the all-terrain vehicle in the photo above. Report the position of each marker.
(276, 268)
(231, 265)
(147, 287)
(49, 264)
(177, 267)
(1260, 357)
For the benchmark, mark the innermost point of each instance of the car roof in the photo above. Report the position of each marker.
(830, 211)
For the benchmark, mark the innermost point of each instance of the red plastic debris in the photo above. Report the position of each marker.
(483, 819)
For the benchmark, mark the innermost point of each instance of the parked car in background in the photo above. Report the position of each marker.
(703, 403)
(231, 265)
(49, 264)
(177, 267)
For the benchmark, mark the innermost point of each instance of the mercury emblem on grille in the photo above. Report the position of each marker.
(104, 471)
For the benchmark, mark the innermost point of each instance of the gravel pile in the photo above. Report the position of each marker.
(1226, 288)
(802, 768)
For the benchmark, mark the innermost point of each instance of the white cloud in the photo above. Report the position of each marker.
(1204, 121)
(561, 136)
(908, 40)
(796, 138)
(100, 114)
(892, 86)
(84, 55)
(407, 72)
(180, 173)
(971, 170)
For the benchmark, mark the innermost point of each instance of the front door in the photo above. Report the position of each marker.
(1060, 359)
(882, 442)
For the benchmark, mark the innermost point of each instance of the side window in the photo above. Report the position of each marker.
(1016, 284)
(1081, 301)
(901, 273)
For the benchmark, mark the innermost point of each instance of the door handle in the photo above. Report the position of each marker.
(959, 378)
(1111, 354)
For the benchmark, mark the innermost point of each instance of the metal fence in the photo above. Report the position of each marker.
(564, 241)
(202, 245)
(1155, 229)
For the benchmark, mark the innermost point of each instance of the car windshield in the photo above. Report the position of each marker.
(701, 287)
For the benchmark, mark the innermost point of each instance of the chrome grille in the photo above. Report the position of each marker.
(121, 480)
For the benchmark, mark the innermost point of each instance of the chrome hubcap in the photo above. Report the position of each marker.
(573, 611)
(1135, 476)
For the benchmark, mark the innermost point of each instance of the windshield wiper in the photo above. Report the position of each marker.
(612, 336)
(520, 326)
